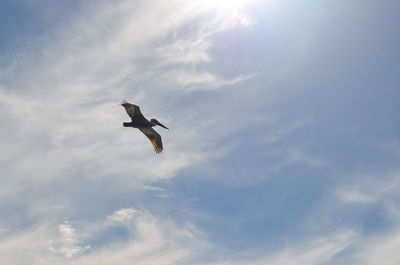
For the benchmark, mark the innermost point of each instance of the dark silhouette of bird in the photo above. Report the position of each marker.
(143, 124)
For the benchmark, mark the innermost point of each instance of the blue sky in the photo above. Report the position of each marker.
(283, 145)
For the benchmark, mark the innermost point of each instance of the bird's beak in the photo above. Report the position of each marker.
(159, 124)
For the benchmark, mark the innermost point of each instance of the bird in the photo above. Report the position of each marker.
(144, 125)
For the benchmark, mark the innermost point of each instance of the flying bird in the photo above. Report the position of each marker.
(143, 124)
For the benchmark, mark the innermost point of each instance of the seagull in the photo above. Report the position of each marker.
(143, 124)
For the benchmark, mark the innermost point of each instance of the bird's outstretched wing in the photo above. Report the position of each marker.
(154, 138)
(132, 110)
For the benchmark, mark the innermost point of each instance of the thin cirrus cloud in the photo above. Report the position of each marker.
(75, 79)
(381, 249)
(370, 191)
(72, 72)
(78, 188)
(150, 240)
(69, 242)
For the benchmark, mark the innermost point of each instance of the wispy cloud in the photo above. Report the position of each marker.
(84, 72)
(319, 251)
(122, 216)
(66, 156)
(379, 190)
(66, 95)
(380, 249)
(69, 243)
(355, 196)
(376, 188)
(63, 127)
(202, 80)
(151, 240)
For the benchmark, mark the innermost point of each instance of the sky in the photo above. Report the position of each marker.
(283, 144)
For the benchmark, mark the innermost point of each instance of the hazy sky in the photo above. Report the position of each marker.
(283, 148)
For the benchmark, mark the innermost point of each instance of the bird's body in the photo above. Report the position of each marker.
(143, 124)
(138, 124)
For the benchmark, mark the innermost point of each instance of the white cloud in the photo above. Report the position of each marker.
(184, 51)
(159, 192)
(61, 111)
(152, 240)
(69, 243)
(122, 216)
(382, 249)
(380, 190)
(371, 188)
(63, 136)
(25, 247)
(62, 133)
(355, 196)
(317, 251)
(202, 80)
(158, 240)
(63, 105)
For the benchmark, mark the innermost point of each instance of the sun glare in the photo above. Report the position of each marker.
(233, 9)
(226, 4)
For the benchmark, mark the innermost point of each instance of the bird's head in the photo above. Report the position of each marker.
(156, 122)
